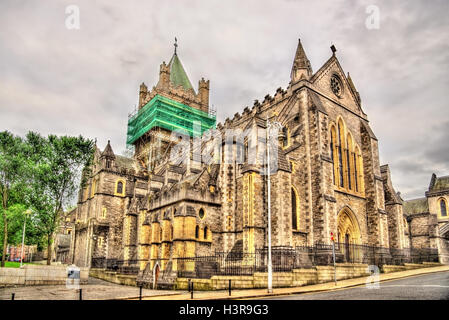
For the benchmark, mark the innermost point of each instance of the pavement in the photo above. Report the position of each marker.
(95, 289)
(278, 292)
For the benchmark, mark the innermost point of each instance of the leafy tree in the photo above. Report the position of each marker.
(12, 168)
(58, 164)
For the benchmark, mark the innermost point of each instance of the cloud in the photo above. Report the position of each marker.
(55, 80)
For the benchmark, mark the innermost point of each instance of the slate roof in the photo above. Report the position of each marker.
(419, 205)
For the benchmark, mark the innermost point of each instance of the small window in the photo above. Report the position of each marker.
(201, 213)
(103, 213)
(443, 208)
(284, 137)
(197, 232)
(206, 230)
(120, 187)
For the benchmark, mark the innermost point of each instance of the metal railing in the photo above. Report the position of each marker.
(119, 266)
(285, 259)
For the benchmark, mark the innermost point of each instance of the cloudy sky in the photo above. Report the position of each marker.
(67, 81)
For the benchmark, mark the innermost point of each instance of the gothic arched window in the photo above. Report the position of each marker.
(205, 233)
(119, 188)
(332, 153)
(295, 213)
(443, 208)
(349, 162)
(340, 153)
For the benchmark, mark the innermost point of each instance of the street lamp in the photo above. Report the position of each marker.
(270, 125)
(27, 212)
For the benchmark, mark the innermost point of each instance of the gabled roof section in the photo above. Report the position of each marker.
(178, 76)
(440, 184)
(348, 83)
(419, 205)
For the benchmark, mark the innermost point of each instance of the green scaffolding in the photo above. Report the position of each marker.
(168, 114)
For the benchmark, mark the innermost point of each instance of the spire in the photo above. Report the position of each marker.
(176, 44)
(108, 153)
(301, 65)
(178, 76)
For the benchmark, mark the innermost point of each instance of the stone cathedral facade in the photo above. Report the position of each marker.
(328, 178)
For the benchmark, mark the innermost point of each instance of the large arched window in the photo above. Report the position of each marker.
(349, 162)
(295, 210)
(443, 208)
(333, 153)
(340, 154)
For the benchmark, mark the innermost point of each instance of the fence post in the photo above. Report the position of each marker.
(191, 292)
(140, 292)
(12, 296)
(229, 287)
(81, 294)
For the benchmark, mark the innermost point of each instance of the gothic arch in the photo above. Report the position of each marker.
(348, 228)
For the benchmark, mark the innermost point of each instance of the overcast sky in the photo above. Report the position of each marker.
(62, 81)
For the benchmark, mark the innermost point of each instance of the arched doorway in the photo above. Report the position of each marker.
(156, 271)
(349, 236)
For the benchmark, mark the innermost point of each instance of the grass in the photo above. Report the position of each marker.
(13, 264)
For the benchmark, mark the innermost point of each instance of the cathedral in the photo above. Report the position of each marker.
(152, 209)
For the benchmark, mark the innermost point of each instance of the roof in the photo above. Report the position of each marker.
(124, 162)
(441, 183)
(108, 152)
(419, 205)
(178, 75)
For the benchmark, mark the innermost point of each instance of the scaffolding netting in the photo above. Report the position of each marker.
(168, 114)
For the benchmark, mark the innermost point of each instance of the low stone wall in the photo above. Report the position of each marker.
(31, 274)
(296, 278)
(114, 277)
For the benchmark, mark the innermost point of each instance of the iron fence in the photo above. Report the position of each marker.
(285, 259)
(119, 266)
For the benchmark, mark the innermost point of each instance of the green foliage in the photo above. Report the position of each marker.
(42, 174)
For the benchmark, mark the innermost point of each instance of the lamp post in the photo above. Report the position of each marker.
(27, 212)
(270, 265)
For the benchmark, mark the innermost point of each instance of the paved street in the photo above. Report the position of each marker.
(433, 286)
(96, 289)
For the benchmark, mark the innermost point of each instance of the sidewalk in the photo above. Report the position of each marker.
(255, 293)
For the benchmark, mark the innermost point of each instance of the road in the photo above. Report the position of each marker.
(434, 286)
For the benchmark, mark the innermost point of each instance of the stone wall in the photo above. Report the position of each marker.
(38, 275)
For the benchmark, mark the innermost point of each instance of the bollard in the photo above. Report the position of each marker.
(229, 287)
(188, 285)
(191, 292)
(81, 294)
(13, 295)
(140, 292)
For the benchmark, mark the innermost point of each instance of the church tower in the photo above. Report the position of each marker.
(171, 105)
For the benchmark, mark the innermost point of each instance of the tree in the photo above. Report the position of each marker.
(57, 166)
(12, 173)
